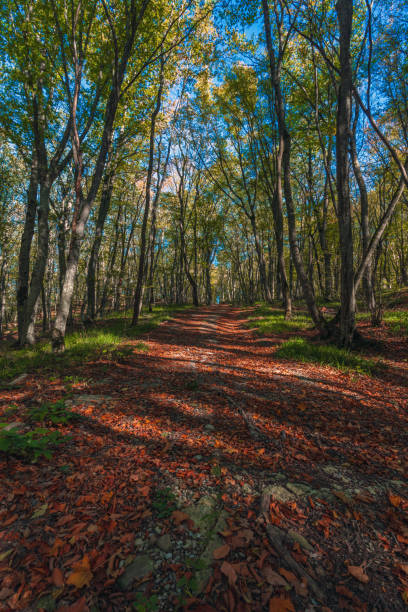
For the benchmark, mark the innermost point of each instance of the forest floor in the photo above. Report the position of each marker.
(202, 471)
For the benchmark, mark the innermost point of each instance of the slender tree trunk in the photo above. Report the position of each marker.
(344, 10)
(25, 249)
(285, 152)
(368, 281)
(3, 277)
(93, 259)
(138, 298)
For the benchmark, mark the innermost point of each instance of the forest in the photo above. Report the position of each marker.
(203, 305)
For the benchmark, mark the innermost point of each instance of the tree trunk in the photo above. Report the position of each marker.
(25, 249)
(93, 259)
(284, 153)
(138, 299)
(344, 10)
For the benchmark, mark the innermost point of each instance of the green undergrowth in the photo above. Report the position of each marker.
(106, 338)
(395, 320)
(269, 320)
(299, 349)
(37, 441)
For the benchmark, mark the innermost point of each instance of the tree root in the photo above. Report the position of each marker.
(277, 539)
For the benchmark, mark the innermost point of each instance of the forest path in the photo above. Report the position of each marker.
(189, 436)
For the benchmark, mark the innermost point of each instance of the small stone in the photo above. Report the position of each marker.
(140, 567)
(11, 426)
(164, 543)
(209, 427)
(298, 488)
(139, 542)
(198, 458)
(18, 380)
(279, 493)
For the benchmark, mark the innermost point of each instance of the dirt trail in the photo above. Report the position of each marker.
(208, 418)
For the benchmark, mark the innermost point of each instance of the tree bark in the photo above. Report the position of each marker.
(285, 152)
(138, 298)
(344, 10)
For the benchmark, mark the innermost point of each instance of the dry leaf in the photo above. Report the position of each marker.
(82, 575)
(357, 572)
(57, 577)
(221, 552)
(290, 576)
(272, 577)
(280, 604)
(395, 500)
(178, 517)
(228, 570)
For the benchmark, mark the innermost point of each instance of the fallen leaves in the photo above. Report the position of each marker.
(221, 552)
(81, 575)
(357, 571)
(281, 604)
(57, 577)
(228, 571)
(97, 499)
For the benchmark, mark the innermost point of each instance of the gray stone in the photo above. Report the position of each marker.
(17, 381)
(139, 568)
(16, 425)
(280, 493)
(209, 427)
(323, 493)
(164, 543)
(204, 513)
(92, 399)
(139, 542)
(298, 488)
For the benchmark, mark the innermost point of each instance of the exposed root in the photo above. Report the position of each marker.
(277, 539)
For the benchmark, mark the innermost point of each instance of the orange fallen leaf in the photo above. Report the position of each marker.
(229, 572)
(357, 572)
(78, 606)
(290, 576)
(280, 604)
(221, 552)
(395, 500)
(82, 575)
(272, 577)
(57, 577)
(178, 517)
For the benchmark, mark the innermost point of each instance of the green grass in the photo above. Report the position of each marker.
(268, 320)
(81, 346)
(396, 320)
(299, 349)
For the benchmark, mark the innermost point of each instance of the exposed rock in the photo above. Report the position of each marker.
(164, 543)
(17, 381)
(92, 399)
(139, 568)
(280, 493)
(298, 488)
(209, 427)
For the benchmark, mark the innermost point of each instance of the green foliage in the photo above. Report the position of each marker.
(164, 503)
(299, 349)
(102, 340)
(188, 584)
(54, 413)
(143, 603)
(268, 320)
(30, 445)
